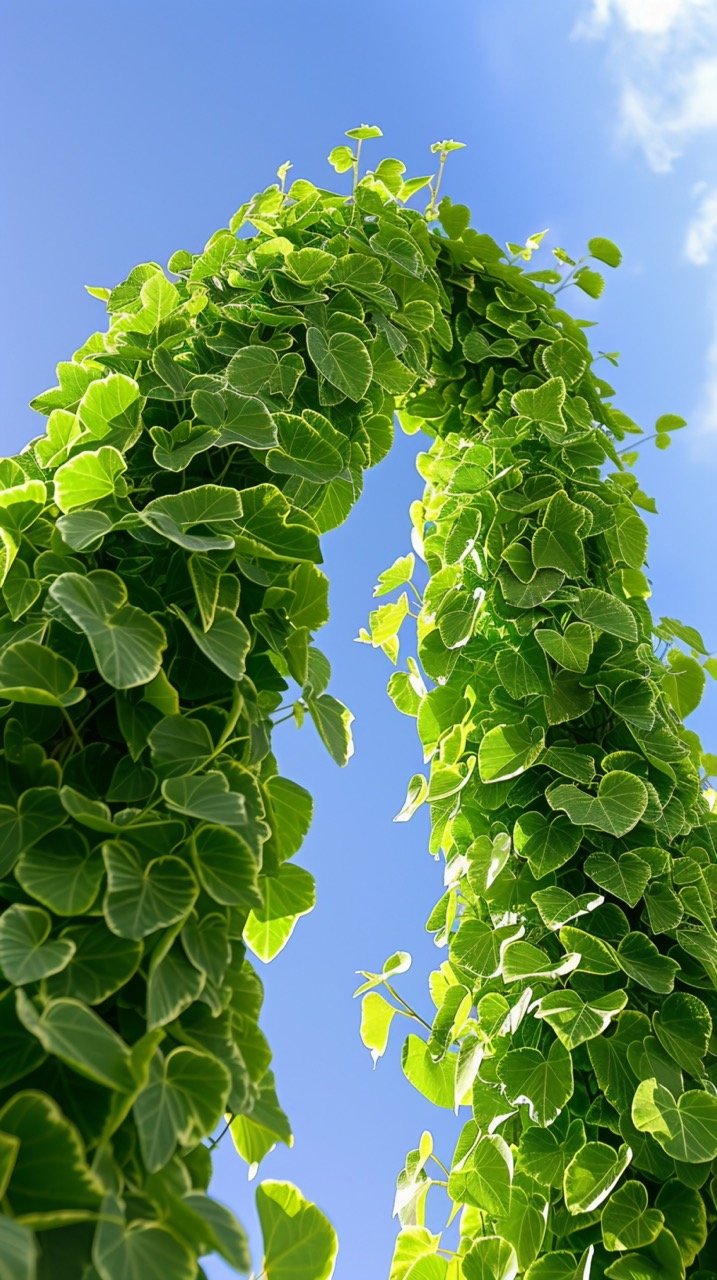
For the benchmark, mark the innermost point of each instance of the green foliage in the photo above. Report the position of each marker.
(159, 552)
(160, 587)
(573, 1012)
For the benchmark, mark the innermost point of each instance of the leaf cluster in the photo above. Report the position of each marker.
(572, 1017)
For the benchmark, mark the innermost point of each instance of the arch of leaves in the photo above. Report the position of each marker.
(159, 557)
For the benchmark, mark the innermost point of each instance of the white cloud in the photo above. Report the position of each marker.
(664, 54)
(648, 17)
(704, 420)
(701, 237)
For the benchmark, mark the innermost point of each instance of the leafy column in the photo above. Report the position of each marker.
(572, 1018)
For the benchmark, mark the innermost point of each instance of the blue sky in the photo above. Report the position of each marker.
(132, 129)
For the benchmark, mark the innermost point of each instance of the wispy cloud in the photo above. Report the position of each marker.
(664, 53)
(700, 248)
(663, 56)
(701, 235)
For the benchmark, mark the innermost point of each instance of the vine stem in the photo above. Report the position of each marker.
(407, 1007)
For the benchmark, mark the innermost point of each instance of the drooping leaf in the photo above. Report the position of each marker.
(299, 1243)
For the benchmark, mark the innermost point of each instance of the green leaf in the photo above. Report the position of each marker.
(225, 866)
(572, 649)
(288, 895)
(547, 843)
(683, 1026)
(18, 1251)
(173, 985)
(618, 806)
(685, 1216)
(640, 959)
(544, 1083)
(178, 743)
(102, 963)
(292, 809)
(685, 1128)
(143, 897)
(32, 673)
(592, 1174)
(574, 1020)
(271, 528)
(62, 873)
(509, 749)
(230, 1238)
(563, 358)
(435, 1080)
(556, 544)
(605, 251)
(174, 450)
(561, 1265)
(108, 403)
(200, 519)
(596, 956)
(684, 683)
(225, 643)
(181, 1104)
(483, 1176)
(51, 1171)
(206, 796)
(341, 158)
(81, 1039)
(605, 613)
(27, 953)
(343, 360)
(376, 1018)
(624, 877)
(543, 404)
(591, 282)
(141, 1251)
(626, 1221)
(299, 1243)
(524, 960)
(309, 447)
(490, 1258)
(88, 477)
(333, 721)
(127, 643)
(362, 133)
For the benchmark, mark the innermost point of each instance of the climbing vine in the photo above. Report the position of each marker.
(159, 553)
(572, 1017)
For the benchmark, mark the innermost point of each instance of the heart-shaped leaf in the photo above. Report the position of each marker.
(544, 404)
(625, 877)
(126, 642)
(570, 649)
(592, 1174)
(575, 1020)
(685, 1127)
(26, 955)
(641, 960)
(207, 796)
(142, 898)
(343, 360)
(509, 749)
(88, 477)
(299, 1243)
(62, 873)
(32, 673)
(287, 896)
(618, 806)
(683, 1026)
(626, 1221)
(543, 1082)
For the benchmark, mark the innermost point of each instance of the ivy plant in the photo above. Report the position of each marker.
(571, 1020)
(160, 586)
